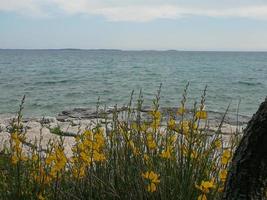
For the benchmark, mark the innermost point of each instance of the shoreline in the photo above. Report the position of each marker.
(90, 113)
(71, 122)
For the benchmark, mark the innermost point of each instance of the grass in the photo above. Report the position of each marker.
(129, 157)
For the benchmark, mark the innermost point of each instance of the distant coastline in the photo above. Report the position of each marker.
(135, 50)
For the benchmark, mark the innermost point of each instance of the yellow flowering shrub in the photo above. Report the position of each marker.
(150, 156)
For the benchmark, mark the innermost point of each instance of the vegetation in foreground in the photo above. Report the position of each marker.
(129, 158)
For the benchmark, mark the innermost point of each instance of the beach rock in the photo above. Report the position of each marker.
(73, 122)
(61, 118)
(47, 120)
(4, 140)
(79, 113)
(2, 127)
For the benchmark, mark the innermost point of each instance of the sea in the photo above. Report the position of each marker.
(57, 80)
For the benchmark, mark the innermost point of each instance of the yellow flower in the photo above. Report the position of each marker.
(100, 140)
(131, 144)
(134, 149)
(87, 150)
(181, 110)
(79, 172)
(205, 186)
(227, 153)
(201, 114)
(151, 187)
(153, 179)
(184, 127)
(202, 197)
(151, 142)
(50, 158)
(87, 133)
(184, 150)
(226, 157)
(156, 114)
(152, 176)
(81, 146)
(166, 153)
(218, 144)
(86, 143)
(156, 119)
(173, 139)
(194, 154)
(155, 124)
(172, 124)
(77, 138)
(99, 156)
(82, 171)
(34, 157)
(194, 125)
(14, 136)
(14, 159)
(223, 175)
(85, 157)
(23, 157)
(53, 172)
(75, 172)
(57, 160)
(40, 197)
(146, 157)
(47, 179)
(16, 148)
(143, 127)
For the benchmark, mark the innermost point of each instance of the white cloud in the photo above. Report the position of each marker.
(146, 10)
(139, 13)
(148, 13)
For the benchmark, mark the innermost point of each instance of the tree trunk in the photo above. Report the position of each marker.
(248, 172)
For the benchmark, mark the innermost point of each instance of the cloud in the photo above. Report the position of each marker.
(148, 13)
(140, 11)
(27, 7)
(256, 12)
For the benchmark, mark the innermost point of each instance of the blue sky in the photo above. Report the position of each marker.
(134, 24)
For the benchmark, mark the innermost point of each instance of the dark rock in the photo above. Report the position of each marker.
(247, 177)
(62, 118)
(87, 113)
(47, 120)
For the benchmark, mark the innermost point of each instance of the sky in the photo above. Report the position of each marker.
(223, 25)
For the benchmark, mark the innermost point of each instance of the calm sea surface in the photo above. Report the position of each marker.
(55, 80)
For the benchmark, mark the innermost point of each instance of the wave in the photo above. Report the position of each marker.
(52, 82)
(249, 83)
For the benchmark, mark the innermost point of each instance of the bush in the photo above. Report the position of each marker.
(130, 158)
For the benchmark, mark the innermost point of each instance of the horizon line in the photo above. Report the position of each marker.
(115, 49)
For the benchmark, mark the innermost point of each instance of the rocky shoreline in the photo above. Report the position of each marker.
(70, 122)
(88, 113)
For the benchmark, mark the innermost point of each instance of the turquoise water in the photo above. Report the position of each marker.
(56, 80)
